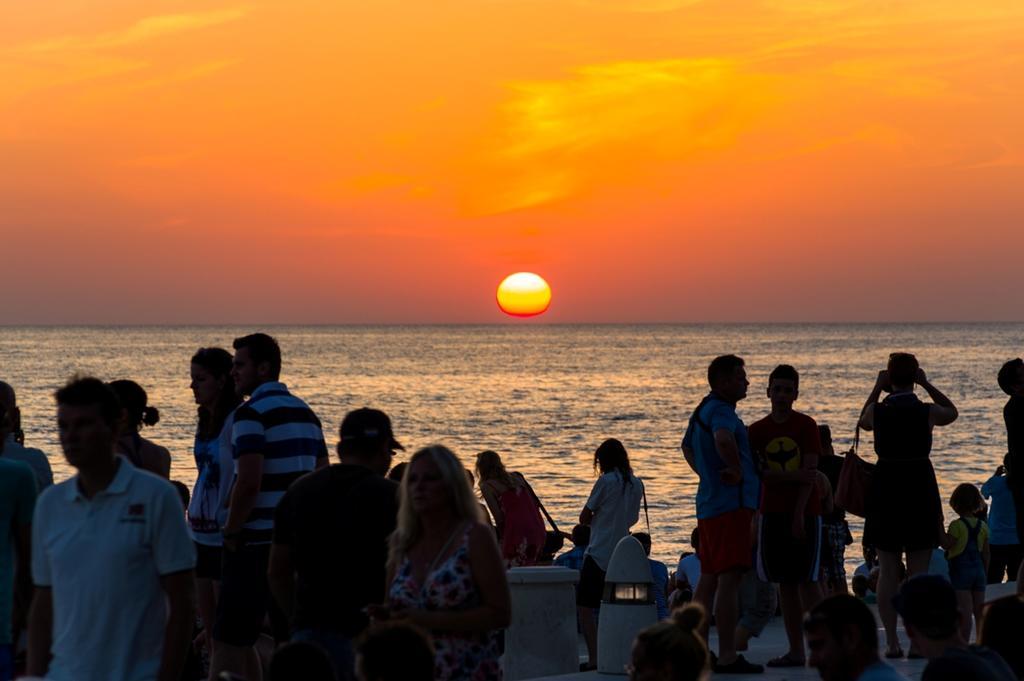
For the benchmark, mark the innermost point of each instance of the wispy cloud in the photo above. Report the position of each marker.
(143, 30)
(616, 117)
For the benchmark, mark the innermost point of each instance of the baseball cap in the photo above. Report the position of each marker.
(928, 603)
(368, 424)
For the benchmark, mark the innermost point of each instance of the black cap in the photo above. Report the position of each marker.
(368, 424)
(928, 603)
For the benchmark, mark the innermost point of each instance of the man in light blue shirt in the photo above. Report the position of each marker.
(1006, 551)
(716, 447)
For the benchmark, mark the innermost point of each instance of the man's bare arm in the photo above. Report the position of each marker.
(179, 590)
(243, 495)
(40, 632)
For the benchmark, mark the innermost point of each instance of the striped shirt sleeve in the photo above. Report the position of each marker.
(248, 435)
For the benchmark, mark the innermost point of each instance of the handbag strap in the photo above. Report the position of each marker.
(647, 517)
(540, 504)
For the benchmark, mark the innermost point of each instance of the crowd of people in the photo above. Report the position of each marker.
(281, 565)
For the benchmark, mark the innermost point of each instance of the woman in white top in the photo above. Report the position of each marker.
(613, 507)
(214, 392)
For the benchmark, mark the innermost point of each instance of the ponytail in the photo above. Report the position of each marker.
(677, 643)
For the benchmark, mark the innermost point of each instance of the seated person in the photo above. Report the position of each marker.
(659, 575)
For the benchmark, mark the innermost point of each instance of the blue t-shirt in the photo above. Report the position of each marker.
(572, 559)
(1002, 516)
(714, 497)
(660, 575)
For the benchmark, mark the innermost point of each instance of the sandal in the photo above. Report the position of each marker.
(894, 654)
(786, 660)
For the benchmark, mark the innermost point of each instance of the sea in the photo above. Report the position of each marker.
(544, 396)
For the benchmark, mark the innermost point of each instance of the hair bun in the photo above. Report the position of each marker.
(689, 617)
(150, 416)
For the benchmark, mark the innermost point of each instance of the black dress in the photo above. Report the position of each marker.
(904, 511)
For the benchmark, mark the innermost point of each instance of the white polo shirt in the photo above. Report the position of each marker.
(103, 558)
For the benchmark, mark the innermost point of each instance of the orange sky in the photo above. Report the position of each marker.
(385, 161)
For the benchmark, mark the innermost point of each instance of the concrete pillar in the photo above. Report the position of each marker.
(542, 639)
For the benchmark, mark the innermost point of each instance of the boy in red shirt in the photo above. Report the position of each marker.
(787, 445)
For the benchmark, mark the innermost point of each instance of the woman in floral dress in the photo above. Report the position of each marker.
(445, 571)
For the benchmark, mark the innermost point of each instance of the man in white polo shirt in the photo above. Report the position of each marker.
(111, 558)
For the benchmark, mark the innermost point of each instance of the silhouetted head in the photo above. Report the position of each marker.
(672, 650)
(1002, 630)
(88, 421)
(11, 424)
(213, 389)
(825, 437)
(1011, 377)
(902, 368)
(398, 471)
(366, 438)
(966, 499)
(728, 377)
(257, 361)
(783, 387)
(611, 456)
(301, 660)
(842, 636)
(395, 652)
(929, 608)
(135, 403)
(695, 539)
(644, 539)
(581, 535)
(489, 466)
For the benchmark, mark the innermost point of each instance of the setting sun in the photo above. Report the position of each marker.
(524, 294)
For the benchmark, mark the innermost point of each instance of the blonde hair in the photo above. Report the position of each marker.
(489, 466)
(675, 642)
(464, 505)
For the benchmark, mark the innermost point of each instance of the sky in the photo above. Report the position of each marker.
(391, 162)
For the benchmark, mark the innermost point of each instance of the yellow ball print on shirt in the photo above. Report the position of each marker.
(782, 455)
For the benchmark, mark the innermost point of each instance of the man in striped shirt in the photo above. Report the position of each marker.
(276, 438)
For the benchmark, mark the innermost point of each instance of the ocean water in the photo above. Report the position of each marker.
(543, 396)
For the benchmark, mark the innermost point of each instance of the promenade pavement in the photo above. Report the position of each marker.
(772, 643)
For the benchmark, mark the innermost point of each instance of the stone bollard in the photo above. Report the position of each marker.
(541, 639)
(627, 607)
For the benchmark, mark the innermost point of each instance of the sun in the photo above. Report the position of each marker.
(523, 294)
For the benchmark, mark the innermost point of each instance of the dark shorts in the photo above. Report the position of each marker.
(591, 588)
(208, 561)
(783, 558)
(244, 600)
(724, 542)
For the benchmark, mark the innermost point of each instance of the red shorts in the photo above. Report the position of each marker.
(725, 542)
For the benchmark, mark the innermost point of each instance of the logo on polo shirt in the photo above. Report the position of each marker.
(135, 513)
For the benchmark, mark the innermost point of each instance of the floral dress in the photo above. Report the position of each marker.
(460, 656)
